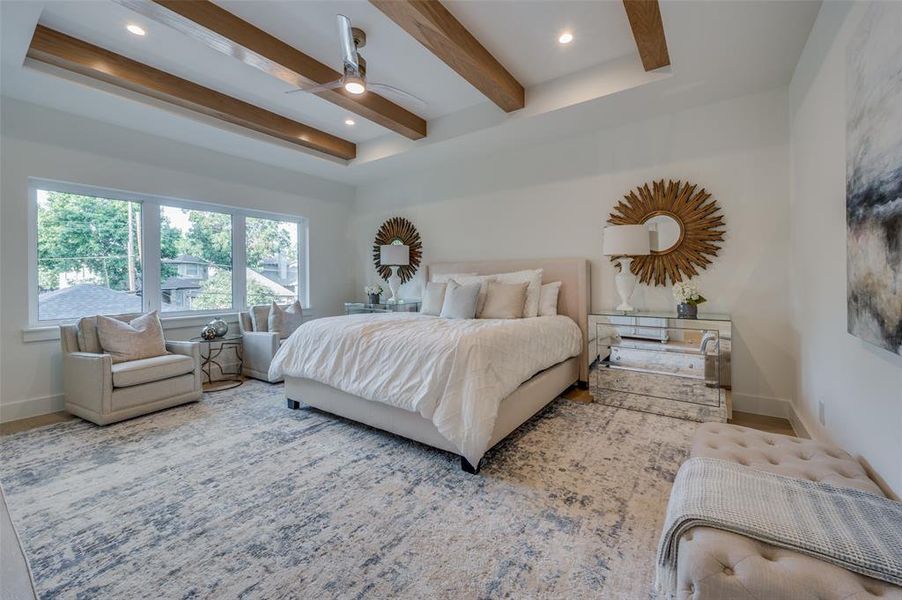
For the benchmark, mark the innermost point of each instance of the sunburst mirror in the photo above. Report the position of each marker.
(685, 225)
(398, 230)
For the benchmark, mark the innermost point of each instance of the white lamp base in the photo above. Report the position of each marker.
(625, 282)
(394, 282)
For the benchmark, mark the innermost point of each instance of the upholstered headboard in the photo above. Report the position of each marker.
(573, 273)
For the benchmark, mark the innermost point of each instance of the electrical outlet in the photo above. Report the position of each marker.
(820, 411)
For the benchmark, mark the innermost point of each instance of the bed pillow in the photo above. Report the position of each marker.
(460, 300)
(483, 280)
(548, 299)
(142, 337)
(504, 300)
(284, 320)
(534, 278)
(433, 299)
(446, 277)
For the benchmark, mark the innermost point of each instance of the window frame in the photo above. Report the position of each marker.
(150, 240)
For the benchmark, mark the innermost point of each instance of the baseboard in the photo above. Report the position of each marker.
(762, 405)
(32, 407)
(798, 424)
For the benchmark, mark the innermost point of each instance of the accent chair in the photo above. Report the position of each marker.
(100, 391)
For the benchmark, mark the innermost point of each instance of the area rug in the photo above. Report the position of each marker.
(239, 497)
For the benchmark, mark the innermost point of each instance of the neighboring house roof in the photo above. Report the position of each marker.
(265, 281)
(179, 283)
(185, 259)
(85, 300)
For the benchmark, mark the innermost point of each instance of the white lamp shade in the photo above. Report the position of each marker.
(395, 255)
(626, 240)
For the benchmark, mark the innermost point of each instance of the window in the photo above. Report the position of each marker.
(99, 251)
(89, 256)
(272, 261)
(196, 264)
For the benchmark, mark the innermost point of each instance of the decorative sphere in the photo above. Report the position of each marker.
(220, 326)
(208, 332)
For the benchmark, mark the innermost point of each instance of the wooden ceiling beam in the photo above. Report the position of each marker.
(58, 49)
(648, 31)
(431, 24)
(224, 32)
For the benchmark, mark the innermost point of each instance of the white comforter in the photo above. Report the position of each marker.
(453, 372)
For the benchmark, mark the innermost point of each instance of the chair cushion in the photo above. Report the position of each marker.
(145, 370)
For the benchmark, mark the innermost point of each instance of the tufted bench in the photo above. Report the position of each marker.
(717, 564)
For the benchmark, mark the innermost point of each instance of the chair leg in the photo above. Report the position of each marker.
(293, 404)
(467, 467)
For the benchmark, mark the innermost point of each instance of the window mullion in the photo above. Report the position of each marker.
(150, 231)
(239, 262)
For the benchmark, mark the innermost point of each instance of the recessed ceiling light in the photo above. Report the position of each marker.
(136, 29)
(565, 38)
(349, 121)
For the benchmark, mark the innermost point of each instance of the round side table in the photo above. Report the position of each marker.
(211, 354)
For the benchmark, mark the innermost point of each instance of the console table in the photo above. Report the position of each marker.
(658, 362)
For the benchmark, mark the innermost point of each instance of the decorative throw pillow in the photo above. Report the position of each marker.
(483, 281)
(141, 337)
(285, 320)
(534, 278)
(433, 299)
(504, 300)
(460, 300)
(87, 335)
(548, 299)
(260, 317)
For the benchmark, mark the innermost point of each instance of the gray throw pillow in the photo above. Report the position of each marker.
(87, 335)
(504, 300)
(460, 300)
(285, 320)
(433, 299)
(260, 317)
(141, 337)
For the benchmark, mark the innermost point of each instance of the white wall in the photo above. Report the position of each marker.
(44, 143)
(552, 200)
(859, 384)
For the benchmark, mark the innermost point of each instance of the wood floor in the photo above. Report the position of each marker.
(761, 422)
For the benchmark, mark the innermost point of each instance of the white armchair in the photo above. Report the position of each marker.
(103, 392)
(259, 347)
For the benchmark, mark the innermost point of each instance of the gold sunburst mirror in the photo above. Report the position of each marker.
(685, 225)
(398, 231)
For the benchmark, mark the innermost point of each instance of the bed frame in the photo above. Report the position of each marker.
(516, 409)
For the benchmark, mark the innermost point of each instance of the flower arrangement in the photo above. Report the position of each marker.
(372, 290)
(687, 293)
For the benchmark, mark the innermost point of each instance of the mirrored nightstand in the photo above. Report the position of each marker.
(353, 308)
(660, 363)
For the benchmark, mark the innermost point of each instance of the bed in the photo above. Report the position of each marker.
(368, 368)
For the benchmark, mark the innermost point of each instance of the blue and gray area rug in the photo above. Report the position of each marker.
(239, 497)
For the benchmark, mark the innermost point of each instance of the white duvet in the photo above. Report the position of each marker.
(453, 372)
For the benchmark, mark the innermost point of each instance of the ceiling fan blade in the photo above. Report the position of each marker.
(348, 49)
(392, 90)
(315, 88)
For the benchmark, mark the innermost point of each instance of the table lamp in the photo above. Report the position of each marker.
(625, 242)
(394, 256)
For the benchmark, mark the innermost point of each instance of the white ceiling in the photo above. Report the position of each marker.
(719, 49)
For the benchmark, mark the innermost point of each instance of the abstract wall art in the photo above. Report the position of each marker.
(874, 177)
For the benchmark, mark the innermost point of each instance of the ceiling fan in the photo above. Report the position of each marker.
(354, 66)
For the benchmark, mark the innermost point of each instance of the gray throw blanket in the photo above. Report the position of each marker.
(850, 528)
